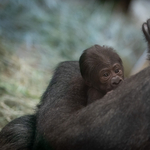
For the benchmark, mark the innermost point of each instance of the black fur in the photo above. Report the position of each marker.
(18, 134)
(120, 120)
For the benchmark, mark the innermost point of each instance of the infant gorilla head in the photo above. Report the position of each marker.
(101, 69)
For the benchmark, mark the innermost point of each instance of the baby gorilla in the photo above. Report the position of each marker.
(102, 71)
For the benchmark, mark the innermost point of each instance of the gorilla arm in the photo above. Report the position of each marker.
(120, 120)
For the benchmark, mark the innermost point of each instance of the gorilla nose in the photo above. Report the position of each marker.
(115, 81)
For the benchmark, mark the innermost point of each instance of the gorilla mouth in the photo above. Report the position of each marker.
(114, 87)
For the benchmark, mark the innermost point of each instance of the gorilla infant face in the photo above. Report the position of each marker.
(101, 68)
(110, 77)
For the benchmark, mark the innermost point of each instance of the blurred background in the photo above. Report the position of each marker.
(35, 35)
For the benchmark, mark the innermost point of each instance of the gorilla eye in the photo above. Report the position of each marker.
(105, 74)
(116, 70)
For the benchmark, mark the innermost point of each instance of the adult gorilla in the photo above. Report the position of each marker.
(119, 120)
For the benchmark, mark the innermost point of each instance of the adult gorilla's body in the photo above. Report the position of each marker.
(119, 120)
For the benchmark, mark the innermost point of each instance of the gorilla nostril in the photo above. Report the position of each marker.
(116, 82)
(119, 81)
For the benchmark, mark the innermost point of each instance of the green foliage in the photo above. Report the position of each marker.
(67, 27)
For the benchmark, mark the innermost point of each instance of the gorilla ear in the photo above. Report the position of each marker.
(88, 83)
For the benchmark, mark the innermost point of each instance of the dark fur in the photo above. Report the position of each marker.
(120, 121)
(146, 31)
(18, 134)
(97, 57)
(91, 62)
